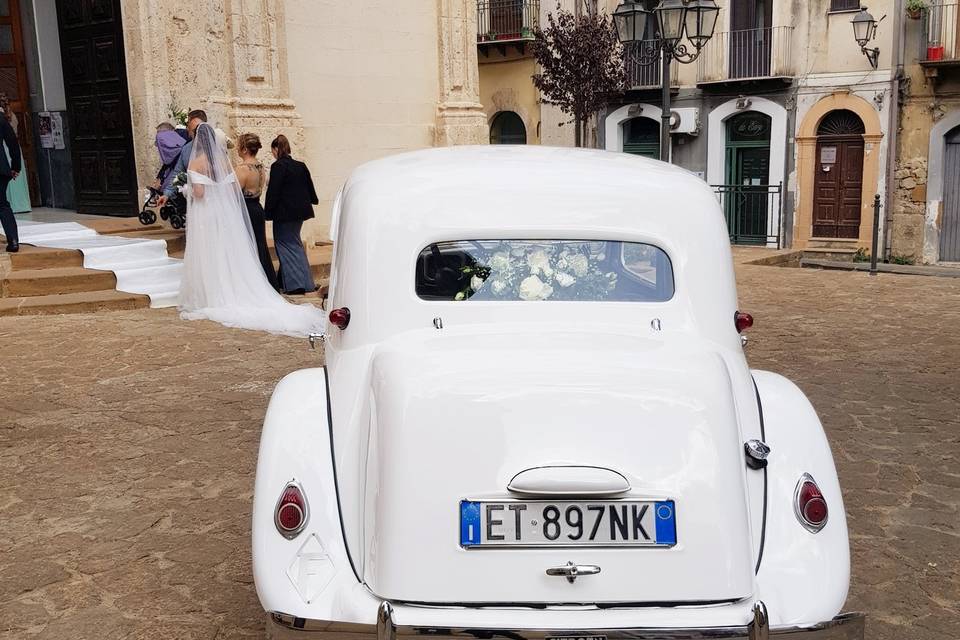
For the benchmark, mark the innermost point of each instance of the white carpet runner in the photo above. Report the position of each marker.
(140, 264)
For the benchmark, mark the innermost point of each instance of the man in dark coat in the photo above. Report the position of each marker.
(8, 171)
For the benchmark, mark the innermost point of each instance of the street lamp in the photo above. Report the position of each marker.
(631, 21)
(865, 30)
(693, 20)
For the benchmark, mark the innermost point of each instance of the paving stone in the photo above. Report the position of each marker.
(129, 442)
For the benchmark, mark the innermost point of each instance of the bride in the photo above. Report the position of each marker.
(222, 279)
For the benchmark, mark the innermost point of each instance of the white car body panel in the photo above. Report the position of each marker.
(383, 493)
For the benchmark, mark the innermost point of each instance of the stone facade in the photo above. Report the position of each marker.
(345, 82)
(929, 111)
(909, 209)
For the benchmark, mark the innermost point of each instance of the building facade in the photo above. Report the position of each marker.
(926, 212)
(782, 114)
(346, 82)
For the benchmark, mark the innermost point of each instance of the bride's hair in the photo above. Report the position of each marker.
(209, 153)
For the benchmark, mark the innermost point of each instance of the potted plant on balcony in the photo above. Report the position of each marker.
(915, 8)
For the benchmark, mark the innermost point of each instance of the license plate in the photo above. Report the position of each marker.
(575, 638)
(638, 523)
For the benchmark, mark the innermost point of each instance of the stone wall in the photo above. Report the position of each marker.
(506, 86)
(347, 82)
(909, 207)
(227, 57)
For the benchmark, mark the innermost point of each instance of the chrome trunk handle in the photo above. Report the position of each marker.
(571, 571)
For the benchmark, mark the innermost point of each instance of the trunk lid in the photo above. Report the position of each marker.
(458, 417)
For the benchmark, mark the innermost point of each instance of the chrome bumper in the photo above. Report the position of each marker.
(848, 626)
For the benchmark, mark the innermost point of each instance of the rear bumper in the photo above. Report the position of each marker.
(844, 627)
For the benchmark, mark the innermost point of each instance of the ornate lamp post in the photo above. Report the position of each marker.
(679, 22)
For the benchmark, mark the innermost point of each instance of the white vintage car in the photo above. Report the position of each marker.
(536, 421)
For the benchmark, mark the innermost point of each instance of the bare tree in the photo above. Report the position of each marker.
(581, 64)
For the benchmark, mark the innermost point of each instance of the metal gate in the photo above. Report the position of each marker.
(753, 212)
(950, 230)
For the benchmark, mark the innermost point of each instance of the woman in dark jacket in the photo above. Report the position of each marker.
(290, 200)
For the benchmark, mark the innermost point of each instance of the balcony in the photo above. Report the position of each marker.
(747, 55)
(643, 76)
(503, 22)
(940, 44)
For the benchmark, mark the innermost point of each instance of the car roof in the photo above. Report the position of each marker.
(447, 171)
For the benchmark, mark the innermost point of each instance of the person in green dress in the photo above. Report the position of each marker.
(18, 191)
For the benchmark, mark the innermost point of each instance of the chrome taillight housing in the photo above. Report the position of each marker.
(292, 512)
(809, 504)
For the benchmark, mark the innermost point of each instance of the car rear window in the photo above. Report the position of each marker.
(572, 270)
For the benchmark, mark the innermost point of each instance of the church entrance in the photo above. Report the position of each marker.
(98, 105)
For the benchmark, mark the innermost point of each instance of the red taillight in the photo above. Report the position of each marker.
(340, 318)
(291, 513)
(810, 505)
(743, 321)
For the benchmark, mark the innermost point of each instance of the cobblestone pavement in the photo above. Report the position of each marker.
(128, 444)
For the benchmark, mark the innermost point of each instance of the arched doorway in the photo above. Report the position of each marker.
(950, 226)
(747, 203)
(507, 128)
(641, 136)
(838, 180)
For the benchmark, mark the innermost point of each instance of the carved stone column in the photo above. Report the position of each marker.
(460, 116)
(259, 92)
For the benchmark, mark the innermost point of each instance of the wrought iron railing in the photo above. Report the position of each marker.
(746, 54)
(643, 74)
(507, 20)
(941, 33)
(754, 212)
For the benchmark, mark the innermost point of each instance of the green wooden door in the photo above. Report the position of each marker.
(748, 175)
(641, 136)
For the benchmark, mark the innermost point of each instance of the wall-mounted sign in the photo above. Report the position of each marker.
(56, 128)
(46, 129)
(749, 127)
(828, 155)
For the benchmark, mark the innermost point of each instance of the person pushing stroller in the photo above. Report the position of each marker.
(194, 119)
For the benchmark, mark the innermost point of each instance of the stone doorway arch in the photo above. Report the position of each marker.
(614, 123)
(806, 140)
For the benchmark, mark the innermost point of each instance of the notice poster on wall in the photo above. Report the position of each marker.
(45, 128)
(56, 128)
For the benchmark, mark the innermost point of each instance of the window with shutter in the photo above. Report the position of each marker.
(844, 5)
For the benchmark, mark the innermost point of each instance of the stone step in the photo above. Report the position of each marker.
(54, 281)
(83, 302)
(30, 257)
(835, 254)
(833, 243)
(121, 226)
(176, 239)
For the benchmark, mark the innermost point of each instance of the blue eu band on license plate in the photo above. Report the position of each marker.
(544, 523)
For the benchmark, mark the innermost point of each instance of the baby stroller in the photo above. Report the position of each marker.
(169, 145)
(175, 209)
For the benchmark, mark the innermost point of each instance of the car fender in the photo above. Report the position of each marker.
(803, 576)
(311, 575)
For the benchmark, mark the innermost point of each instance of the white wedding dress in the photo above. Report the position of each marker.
(222, 278)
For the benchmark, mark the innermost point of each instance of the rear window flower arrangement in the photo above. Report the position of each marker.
(530, 270)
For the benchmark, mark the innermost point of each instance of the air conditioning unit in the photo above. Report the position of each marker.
(686, 120)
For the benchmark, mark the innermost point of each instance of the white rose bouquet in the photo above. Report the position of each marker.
(535, 270)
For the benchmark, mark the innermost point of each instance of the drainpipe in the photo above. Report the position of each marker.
(894, 124)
